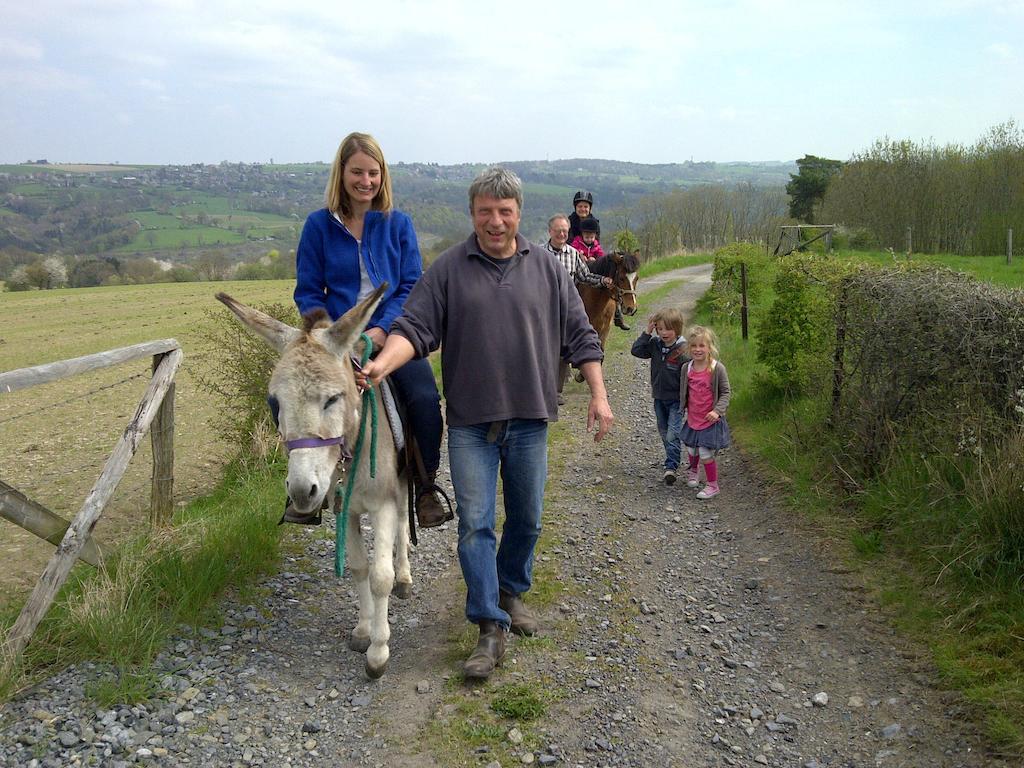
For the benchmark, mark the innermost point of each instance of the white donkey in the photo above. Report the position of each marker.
(318, 418)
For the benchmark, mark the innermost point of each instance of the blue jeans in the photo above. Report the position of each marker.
(418, 391)
(519, 449)
(670, 424)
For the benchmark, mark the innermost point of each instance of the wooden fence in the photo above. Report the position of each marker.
(156, 410)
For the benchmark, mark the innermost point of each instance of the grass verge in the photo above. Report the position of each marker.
(122, 615)
(900, 531)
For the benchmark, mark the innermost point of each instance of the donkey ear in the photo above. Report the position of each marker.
(277, 334)
(345, 331)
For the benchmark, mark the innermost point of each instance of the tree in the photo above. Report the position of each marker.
(212, 265)
(806, 188)
(38, 275)
(91, 272)
(18, 279)
(626, 241)
(57, 272)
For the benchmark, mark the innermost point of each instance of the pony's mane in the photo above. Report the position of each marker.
(605, 266)
(317, 318)
(630, 262)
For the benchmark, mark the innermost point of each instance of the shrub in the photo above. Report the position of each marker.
(725, 296)
(795, 339)
(240, 377)
(932, 357)
(626, 241)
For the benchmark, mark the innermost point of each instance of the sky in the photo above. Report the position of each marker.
(177, 81)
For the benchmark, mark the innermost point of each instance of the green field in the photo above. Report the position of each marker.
(58, 435)
(162, 231)
(992, 269)
(549, 189)
(179, 237)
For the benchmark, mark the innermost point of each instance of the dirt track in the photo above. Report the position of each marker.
(687, 633)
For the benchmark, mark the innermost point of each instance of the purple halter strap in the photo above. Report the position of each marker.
(320, 442)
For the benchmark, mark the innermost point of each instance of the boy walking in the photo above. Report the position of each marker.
(663, 344)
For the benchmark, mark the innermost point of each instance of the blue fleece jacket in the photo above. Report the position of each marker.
(327, 266)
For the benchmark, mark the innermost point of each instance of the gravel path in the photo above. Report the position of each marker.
(688, 633)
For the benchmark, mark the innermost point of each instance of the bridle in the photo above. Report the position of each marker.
(313, 442)
(320, 442)
(617, 291)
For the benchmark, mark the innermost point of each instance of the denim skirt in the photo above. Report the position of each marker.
(714, 438)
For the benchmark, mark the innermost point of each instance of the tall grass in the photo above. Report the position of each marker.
(123, 614)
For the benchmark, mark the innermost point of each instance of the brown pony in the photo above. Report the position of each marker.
(600, 301)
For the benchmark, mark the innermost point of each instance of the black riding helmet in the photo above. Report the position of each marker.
(589, 224)
(582, 197)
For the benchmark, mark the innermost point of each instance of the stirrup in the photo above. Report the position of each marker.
(428, 488)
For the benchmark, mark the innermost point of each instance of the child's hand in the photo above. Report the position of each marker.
(651, 328)
(713, 416)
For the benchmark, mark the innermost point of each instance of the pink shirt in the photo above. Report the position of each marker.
(588, 252)
(699, 397)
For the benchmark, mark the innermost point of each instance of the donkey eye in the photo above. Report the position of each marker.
(331, 401)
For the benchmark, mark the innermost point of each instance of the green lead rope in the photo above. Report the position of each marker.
(341, 515)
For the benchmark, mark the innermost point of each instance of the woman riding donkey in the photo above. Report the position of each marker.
(347, 249)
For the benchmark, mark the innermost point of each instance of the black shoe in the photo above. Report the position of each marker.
(618, 319)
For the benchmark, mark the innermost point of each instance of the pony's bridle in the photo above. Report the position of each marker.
(618, 291)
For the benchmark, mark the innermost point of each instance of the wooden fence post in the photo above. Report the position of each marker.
(910, 241)
(743, 293)
(838, 371)
(57, 570)
(1009, 245)
(161, 506)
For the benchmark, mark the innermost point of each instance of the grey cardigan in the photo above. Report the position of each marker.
(720, 390)
(501, 331)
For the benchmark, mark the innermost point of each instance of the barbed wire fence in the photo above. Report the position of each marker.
(56, 438)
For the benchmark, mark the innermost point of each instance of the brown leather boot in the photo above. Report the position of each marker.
(430, 513)
(523, 621)
(489, 651)
(618, 318)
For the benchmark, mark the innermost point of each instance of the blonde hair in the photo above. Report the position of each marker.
(335, 195)
(707, 336)
(671, 318)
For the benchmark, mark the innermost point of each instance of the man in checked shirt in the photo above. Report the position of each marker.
(568, 257)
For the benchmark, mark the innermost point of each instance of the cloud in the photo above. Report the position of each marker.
(42, 79)
(25, 50)
(1001, 51)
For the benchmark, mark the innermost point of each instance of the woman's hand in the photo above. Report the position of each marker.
(377, 336)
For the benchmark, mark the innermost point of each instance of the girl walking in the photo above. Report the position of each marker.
(704, 395)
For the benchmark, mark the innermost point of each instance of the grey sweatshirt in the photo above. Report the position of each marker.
(501, 333)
